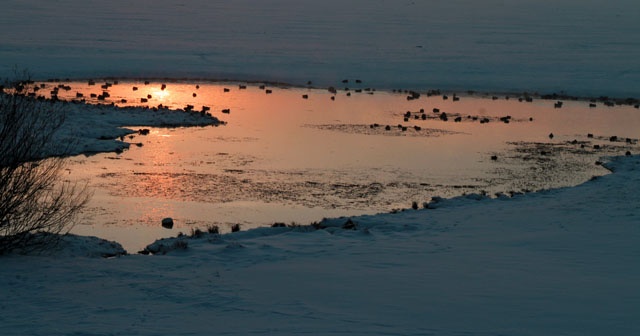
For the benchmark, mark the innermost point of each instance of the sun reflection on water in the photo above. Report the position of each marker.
(299, 154)
(161, 95)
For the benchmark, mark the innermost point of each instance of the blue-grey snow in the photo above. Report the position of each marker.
(559, 262)
(574, 46)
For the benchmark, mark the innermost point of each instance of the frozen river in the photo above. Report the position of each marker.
(296, 154)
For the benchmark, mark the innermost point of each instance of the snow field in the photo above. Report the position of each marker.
(557, 262)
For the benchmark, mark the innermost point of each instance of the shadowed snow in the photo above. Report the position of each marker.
(557, 262)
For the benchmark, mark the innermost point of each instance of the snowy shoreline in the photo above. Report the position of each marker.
(100, 128)
(73, 245)
(556, 262)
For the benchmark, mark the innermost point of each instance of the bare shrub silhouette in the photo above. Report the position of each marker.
(36, 203)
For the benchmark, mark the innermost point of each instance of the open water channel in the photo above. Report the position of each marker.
(291, 154)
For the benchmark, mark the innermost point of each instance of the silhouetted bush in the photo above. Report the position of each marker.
(33, 195)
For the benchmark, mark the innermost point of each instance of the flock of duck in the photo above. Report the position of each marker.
(56, 89)
(59, 88)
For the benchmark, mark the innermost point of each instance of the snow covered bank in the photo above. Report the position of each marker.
(70, 245)
(584, 48)
(103, 128)
(562, 262)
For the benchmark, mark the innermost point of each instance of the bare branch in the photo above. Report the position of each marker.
(33, 196)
